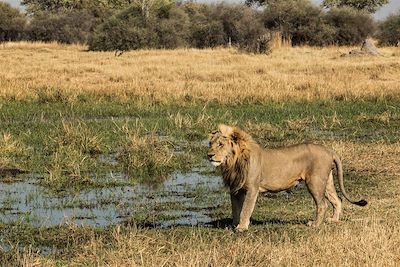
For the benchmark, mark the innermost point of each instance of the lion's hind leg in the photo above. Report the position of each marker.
(317, 189)
(334, 199)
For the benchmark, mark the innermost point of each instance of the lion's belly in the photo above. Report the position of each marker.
(276, 184)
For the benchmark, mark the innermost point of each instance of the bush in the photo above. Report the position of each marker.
(207, 33)
(352, 26)
(172, 28)
(206, 30)
(124, 31)
(298, 20)
(389, 31)
(241, 23)
(165, 26)
(216, 25)
(65, 27)
(12, 23)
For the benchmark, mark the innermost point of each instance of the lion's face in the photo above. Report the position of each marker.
(220, 149)
(222, 145)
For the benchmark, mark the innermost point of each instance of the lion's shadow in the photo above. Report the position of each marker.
(227, 222)
(217, 224)
(13, 172)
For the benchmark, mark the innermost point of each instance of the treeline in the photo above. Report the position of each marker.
(126, 25)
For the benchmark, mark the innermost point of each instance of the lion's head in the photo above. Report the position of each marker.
(230, 149)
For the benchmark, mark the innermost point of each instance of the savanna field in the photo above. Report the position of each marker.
(103, 158)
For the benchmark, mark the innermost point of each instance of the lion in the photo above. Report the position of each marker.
(248, 169)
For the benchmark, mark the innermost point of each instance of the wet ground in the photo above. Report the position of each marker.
(183, 199)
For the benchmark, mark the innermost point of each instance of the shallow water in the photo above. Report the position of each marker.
(177, 201)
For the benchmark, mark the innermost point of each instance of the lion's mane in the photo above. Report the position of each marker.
(236, 169)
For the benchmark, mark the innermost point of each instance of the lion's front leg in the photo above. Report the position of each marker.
(250, 197)
(237, 204)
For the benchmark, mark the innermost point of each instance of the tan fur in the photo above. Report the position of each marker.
(249, 169)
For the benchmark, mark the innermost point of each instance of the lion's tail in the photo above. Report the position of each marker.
(339, 168)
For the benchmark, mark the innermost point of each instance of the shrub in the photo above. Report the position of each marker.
(65, 27)
(206, 30)
(172, 28)
(124, 31)
(351, 26)
(207, 33)
(216, 25)
(389, 30)
(12, 23)
(301, 21)
(164, 26)
(241, 23)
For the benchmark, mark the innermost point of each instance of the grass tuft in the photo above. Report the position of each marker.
(78, 135)
(12, 152)
(145, 157)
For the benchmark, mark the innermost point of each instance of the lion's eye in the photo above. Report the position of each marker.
(220, 145)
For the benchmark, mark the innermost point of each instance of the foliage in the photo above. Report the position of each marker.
(389, 31)
(39, 6)
(160, 25)
(121, 25)
(351, 26)
(172, 28)
(216, 25)
(206, 30)
(300, 20)
(368, 5)
(124, 31)
(241, 24)
(306, 23)
(12, 23)
(72, 26)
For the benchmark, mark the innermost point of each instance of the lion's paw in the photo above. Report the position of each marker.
(312, 224)
(240, 229)
(332, 220)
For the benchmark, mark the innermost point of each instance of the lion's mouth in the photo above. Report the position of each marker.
(215, 163)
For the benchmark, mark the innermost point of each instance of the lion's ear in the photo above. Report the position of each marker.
(237, 135)
(211, 135)
(225, 130)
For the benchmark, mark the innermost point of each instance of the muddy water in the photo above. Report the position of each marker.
(181, 200)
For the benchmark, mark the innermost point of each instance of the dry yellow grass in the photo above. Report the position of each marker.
(325, 247)
(219, 74)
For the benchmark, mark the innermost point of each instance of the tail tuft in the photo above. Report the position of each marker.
(361, 203)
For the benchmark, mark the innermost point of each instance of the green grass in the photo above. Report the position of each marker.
(67, 139)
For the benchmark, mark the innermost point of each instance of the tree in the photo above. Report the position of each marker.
(389, 30)
(352, 25)
(206, 29)
(145, 24)
(35, 6)
(70, 26)
(12, 23)
(242, 25)
(298, 20)
(369, 5)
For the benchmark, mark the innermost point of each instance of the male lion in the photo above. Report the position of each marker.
(249, 169)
